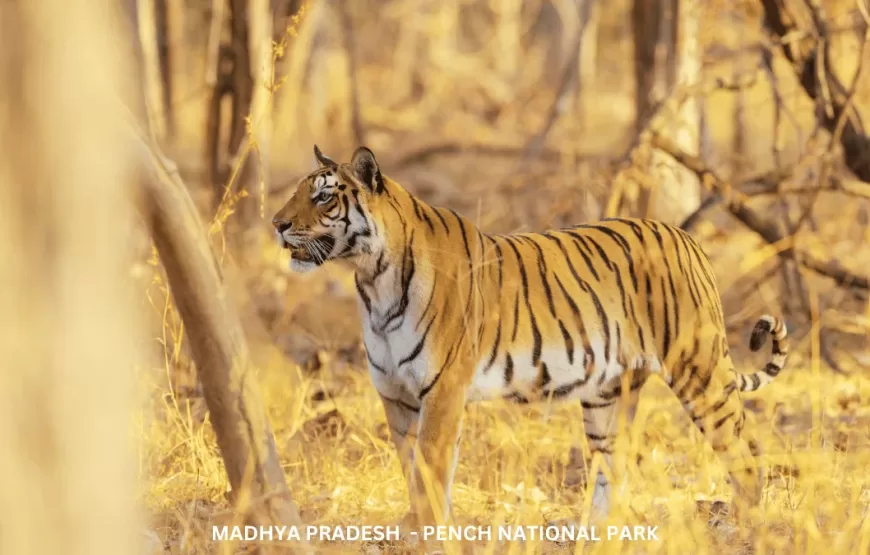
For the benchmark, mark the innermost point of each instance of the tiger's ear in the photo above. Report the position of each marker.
(365, 168)
(323, 160)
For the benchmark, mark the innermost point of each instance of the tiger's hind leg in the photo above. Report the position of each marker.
(713, 402)
(603, 422)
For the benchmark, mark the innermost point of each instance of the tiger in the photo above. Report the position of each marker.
(453, 315)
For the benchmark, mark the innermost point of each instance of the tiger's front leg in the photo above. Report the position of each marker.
(435, 457)
(402, 412)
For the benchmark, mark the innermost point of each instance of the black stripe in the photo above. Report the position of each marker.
(375, 365)
(440, 217)
(565, 390)
(569, 343)
(649, 303)
(596, 437)
(428, 303)
(500, 264)
(415, 352)
(421, 213)
(508, 369)
(542, 269)
(621, 242)
(638, 231)
(667, 337)
(680, 265)
(398, 309)
(772, 369)
(494, 351)
(543, 375)
(602, 316)
(402, 404)
(451, 356)
(682, 365)
(718, 424)
(380, 267)
(578, 320)
(536, 333)
(580, 240)
(516, 316)
(593, 406)
(726, 394)
(517, 398)
(461, 224)
(362, 294)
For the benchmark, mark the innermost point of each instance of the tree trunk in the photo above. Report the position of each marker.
(71, 333)
(238, 68)
(152, 76)
(164, 58)
(262, 62)
(589, 51)
(667, 56)
(219, 348)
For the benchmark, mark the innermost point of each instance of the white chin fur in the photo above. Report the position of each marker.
(301, 267)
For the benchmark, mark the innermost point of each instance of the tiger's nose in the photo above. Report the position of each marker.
(281, 225)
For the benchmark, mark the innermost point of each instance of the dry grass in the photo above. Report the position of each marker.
(433, 72)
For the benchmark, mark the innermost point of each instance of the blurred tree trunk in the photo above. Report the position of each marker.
(175, 60)
(667, 56)
(239, 74)
(153, 78)
(654, 25)
(71, 332)
(739, 150)
(589, 49)
(260, 46)
(220, 350)
(164, 57)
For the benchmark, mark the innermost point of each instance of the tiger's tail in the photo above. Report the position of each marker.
(766, 325)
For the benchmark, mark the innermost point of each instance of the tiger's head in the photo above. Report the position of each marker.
(328, 216)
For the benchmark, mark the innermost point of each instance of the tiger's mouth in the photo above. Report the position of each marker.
(314, 250)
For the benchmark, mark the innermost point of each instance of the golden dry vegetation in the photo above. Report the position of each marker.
(449, 92)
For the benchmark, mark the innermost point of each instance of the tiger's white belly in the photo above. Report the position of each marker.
(489, 382)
